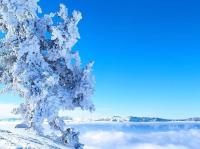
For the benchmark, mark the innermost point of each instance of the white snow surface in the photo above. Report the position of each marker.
(12, 138)
(112, 135)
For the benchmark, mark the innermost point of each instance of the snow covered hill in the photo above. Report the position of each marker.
(22, 139)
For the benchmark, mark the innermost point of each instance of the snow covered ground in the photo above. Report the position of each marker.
(13, 138)
(113, 135)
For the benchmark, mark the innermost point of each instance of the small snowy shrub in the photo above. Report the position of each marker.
(37, 62)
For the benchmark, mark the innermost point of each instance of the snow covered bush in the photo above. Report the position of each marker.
(37, 62)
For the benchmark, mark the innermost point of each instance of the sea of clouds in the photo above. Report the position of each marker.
(130, 136)
(187, 139)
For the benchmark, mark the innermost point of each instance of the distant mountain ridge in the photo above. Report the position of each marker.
(145, 119)
(155, 119)
(120, 119)
(148, 119)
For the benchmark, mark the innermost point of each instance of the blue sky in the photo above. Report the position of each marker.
(147, 55)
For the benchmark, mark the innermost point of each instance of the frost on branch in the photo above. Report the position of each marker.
(37, 62)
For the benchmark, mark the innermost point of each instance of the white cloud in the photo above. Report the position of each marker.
(105, 137)
(187, 139)
(154, 146)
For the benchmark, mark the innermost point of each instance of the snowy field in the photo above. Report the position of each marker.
(113, 135)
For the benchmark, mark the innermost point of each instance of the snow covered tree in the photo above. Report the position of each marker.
(37, 62)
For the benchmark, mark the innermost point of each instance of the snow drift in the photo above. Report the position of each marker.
(10, 140)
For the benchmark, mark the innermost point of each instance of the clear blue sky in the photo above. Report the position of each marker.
(147, 55)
